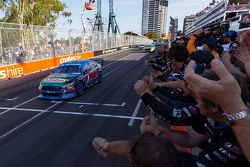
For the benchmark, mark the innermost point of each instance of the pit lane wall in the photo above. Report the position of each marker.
(17, 70)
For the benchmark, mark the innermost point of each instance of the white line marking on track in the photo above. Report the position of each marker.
(138, 105)
(98, 115)
(70, 113)
(115, 61)
(81, 106)
(123, 104)
(19, 126)
(21, 109)
(94, 104)
(18, 105)
(28, 121)
(116, 68)
(48, 109)
(11, 99)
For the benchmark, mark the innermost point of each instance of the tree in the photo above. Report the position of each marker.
(34, 12)
(77, 40)
(130, 33)
(161, 40)
(3, 3)
(152, 35)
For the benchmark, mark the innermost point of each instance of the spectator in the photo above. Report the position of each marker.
(209, 44)
(226, 92)
(209, 131)
(230, 39)
(214, 105)
(149, 150)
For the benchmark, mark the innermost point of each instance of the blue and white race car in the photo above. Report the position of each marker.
(70, 79)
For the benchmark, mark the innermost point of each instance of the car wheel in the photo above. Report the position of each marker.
(79, 88)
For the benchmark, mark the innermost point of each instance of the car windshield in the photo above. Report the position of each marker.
(68, 69)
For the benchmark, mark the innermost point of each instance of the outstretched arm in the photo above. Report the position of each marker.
(115, 148)
(227, 93)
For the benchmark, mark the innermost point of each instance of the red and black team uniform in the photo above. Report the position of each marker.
(222, 146)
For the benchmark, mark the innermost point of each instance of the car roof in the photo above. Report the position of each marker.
(76, 62)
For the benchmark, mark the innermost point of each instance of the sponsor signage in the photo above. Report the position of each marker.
(11, 71)
(15, 70)
(238, 7)
(245, 21)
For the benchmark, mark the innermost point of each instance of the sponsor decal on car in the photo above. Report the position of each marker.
(54, 80)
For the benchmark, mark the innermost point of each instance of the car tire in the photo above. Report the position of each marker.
(79, 88)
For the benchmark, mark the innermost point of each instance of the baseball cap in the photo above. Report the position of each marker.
(231, 33)
(202, 59)
(211, 42)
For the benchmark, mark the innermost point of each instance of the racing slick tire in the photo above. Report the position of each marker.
(79, 88)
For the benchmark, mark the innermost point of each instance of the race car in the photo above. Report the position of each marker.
(70, 79)
(149, 48)
(141, 47)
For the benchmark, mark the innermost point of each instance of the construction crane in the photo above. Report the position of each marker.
(113, 26)
(98, 26)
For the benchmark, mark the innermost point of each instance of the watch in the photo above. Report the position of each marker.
(231, 119)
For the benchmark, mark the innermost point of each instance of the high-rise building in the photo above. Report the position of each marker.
(173, 28)
(188, 21)
(154, 16)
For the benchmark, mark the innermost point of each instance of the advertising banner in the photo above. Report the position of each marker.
(15, 70)
(245, 21)
(238, 7)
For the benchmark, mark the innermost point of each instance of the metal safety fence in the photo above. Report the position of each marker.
(22, 43)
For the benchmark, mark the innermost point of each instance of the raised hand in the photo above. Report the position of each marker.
(149, 124)
(226, 92)
(150, 82)
(140, 88)
(243, 53)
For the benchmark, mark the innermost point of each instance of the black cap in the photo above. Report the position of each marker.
(202, 59)
(211, 43)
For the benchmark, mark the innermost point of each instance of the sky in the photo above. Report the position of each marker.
(129, 13)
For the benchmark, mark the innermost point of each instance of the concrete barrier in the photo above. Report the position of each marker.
(98, 53)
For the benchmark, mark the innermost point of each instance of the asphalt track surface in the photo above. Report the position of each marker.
(43, 133)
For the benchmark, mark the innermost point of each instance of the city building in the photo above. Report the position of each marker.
(231, 14)
(173, 28)
(188, 21)
(154, 16)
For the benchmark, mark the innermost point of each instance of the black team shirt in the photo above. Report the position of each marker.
(222, 146)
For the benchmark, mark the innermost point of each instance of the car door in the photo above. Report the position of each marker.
(87, 71)
(94, 70)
